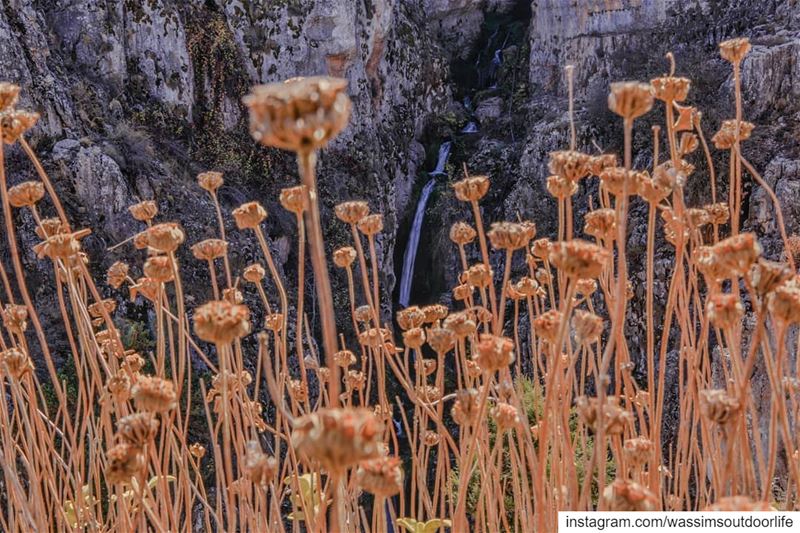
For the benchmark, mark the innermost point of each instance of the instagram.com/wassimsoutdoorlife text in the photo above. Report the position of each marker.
(678, 522)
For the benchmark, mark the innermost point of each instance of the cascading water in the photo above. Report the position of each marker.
(410, 255)
(471, 127)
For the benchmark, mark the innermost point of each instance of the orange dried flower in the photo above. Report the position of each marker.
(210, 181)
(154, 394)
(493, 353)
(382, 476)
(410, 317)
(569, 165)
(144, 211)
(159, 268)
(295, 199)
(462, 233)
(343, 257)
(210, 249)
(15, 123)
(579, 259)
(718, 406)
(117, 274)
(351, 212)
(338, 438)
(371, 224)
(300, 114)
(254, 273)
(165, 237)
(137, 429)
(471, 189)
(625, 496)
(734, 50)
(509, 236)
(123, 462)
(249, 215)
(630, 99)
(221, 322)
(724, 310)
(26, 194)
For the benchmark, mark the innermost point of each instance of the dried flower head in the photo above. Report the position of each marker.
(15, 318)
(718, 213)
(351, 212)
(434, 313)
(159, 268)
(137, 429)
(301, 114)
(123, 462)
(547, 325)
(410, 317)
(630, 99)
(154, 394)
(784, 302)
(527, 286)
(371, 224)
(343, 257)
(461, 323)
(257, 466)
(165, 237)
(363, 313)
(585, 287)
(616, 179)
(221, 322)
(671, 88)
(724, 310)
(737, 254)
(50, 226)
(26, 194)
(249, 215)
(197, 450)
(601, 224)
(765, 276)
(478, 275)
(616, 418)
(587, 326)
(718, 406)
(493, 353)
(16, 362)
(9, 93)
(569, 165)
(637, 450)
(15, 123)
(338, 438)
(144, 211)
(210, 181)
(734, 50)
(560, 187)
(599, 163)
(119, 386)
(414, 338)
(466, 407)
(462, 233)
(509, 236)
(382, 476)
(210, 249)
(579, 259)
(344, 358)
(64, 246)
(254, 273)
(505, 416)
(96, 309)
(625, 496)
(117, 274)
(295, 199)
(726, 137)
(741, 504)
(147, 287)
(442, 340)
(471, 189)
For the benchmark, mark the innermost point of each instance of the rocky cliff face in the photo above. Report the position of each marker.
(138, 96)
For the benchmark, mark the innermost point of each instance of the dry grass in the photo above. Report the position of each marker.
(496, 434)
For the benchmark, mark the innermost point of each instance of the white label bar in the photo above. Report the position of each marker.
(678, 522)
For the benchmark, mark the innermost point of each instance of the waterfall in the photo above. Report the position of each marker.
(471, 127)
(410, 255)
(444, 155)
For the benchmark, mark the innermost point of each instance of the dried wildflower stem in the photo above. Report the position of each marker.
(307, 163)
